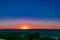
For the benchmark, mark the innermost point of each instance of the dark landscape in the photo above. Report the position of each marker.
(30, 34)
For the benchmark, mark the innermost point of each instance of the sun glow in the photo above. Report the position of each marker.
(25, 27)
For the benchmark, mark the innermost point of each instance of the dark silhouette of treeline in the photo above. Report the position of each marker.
(26, 36)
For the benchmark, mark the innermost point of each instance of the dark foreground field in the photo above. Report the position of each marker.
(30, 34)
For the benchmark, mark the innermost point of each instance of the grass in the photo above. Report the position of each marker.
(27, 36)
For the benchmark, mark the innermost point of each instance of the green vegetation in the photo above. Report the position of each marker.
(26, 36)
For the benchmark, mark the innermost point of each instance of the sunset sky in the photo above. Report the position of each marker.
(32, 14)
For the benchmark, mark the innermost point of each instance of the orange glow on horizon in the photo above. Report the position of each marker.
(31, 26)
(25, 27)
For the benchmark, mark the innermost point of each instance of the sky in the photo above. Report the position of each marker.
(14, 10)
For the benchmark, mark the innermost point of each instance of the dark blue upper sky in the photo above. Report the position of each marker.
(30, 8)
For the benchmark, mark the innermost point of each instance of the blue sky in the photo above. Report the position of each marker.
(30, 9)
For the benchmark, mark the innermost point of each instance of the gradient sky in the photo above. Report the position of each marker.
(30, 9)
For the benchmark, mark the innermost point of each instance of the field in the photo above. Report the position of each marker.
(29, 35)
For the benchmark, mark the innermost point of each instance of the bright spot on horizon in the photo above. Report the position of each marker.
(25, 27)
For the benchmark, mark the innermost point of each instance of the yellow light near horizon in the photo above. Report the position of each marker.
(25, 27)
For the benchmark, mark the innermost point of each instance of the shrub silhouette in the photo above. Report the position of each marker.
(52, 39)
(59, 38)
(44, 38)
